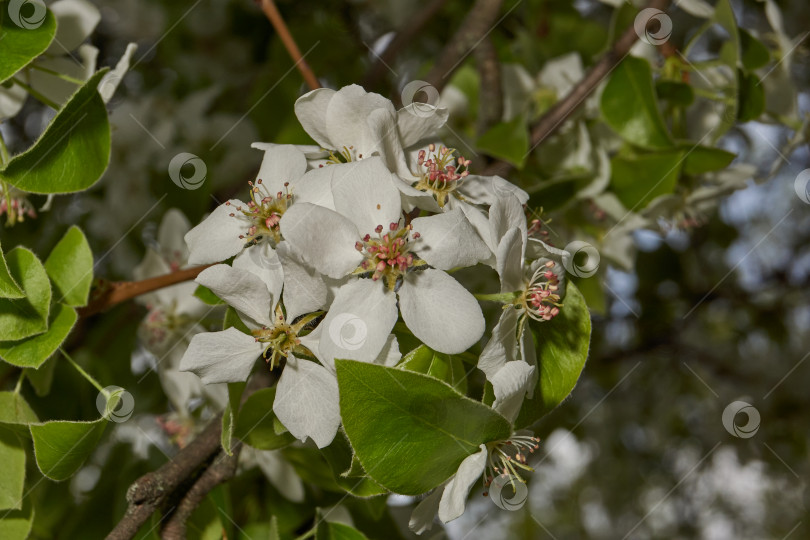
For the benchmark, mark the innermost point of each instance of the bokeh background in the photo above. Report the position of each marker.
(711, 315)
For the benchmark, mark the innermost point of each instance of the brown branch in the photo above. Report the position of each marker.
(551, 121)
(148, 493)
(490, 104)
(220, 471)
(473, 29)
(271, 11)
(402, 38)
(115, 292)
(152, 491)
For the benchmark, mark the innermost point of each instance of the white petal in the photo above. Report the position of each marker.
(76, 21)
(324, 239)
(364, 191)
(509, 261)
(311, 112)
(484, 189)
(448, 241)
(359, 322)
(262, 261)
(109, 83)
(502, 346)
(281, 163)
(528, 353)
(425, 512)
(383, 141)
(307, 401)
(173, 227)
(11, 101)
(479, 222)
(243, 290)
(217, 237)
(152, 265)
(226, 356)
(454, 498)
(510, 385)
(280, 473)
(440, 312)
(315, 187)
(390, 355)
(419, 121)
(506, 213)
(304, 289)
(347, 115)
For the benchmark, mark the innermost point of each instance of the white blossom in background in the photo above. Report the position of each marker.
(174, 316)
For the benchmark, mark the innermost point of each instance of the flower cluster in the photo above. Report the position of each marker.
(340, 241)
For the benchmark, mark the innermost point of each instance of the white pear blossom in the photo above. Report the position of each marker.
(366, 237)
(351, 124)
(174, 316)
(495, 458)
(235, 226)
(306, 399)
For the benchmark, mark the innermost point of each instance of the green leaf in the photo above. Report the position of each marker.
(754, 54)
(328, 530)
(703, 159)
(72, 153)
(347, 470)
(410, 431)
(562, 351)
(677, 93)
(752, 98)
(232, 320)
(18, 46)
(508, 141)
(255, 424)
(24, 317)
(62, 446)
(42, 377)
(205, 294)
(17, 523)
(33, 351)
(638, 179)
(445, 367)
(12, 473)
(230, 415)
(630, 108)
(15, 410)
(70, 267)
(8, 287)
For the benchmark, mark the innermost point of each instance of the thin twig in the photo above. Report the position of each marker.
(222, 469)
(402, 38)
(552, 120)
(115, 292)
(490, 104)
(271, 11)
(478, 23)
